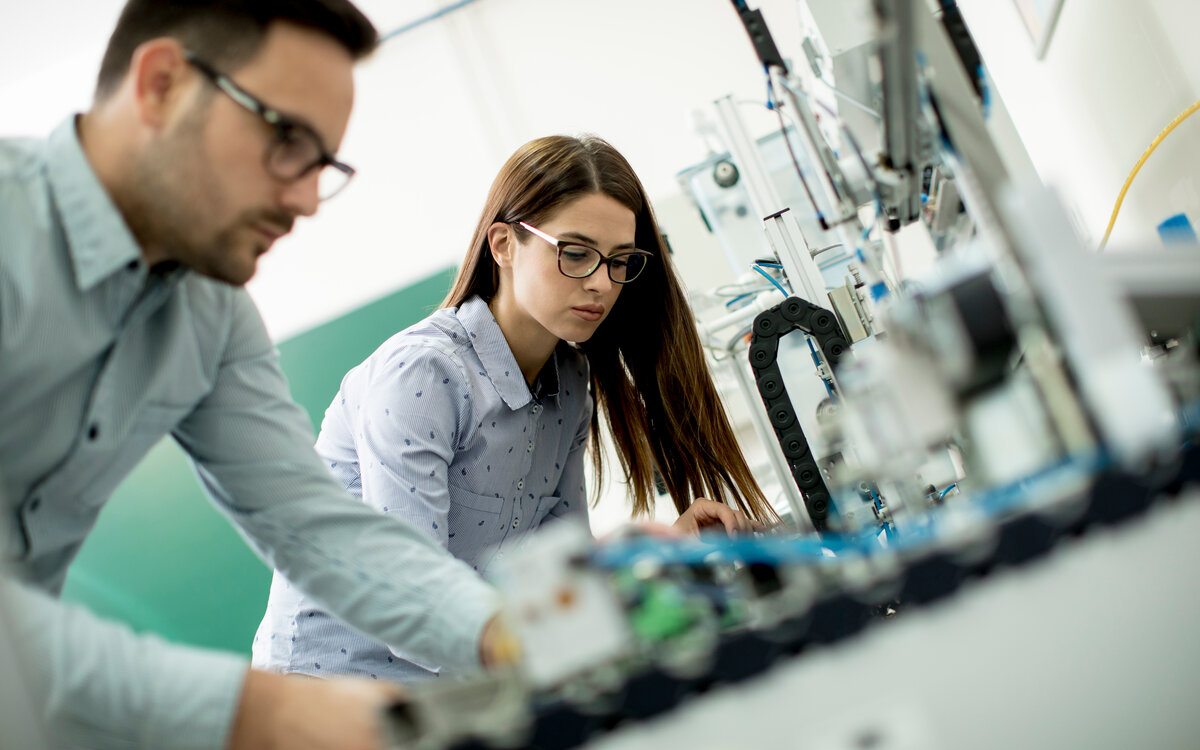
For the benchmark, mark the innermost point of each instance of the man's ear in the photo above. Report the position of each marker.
(501, 242)
(161, 75)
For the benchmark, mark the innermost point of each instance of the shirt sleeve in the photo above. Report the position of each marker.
(572, 484)
(96, 684)
(252, 446)
(407, 427)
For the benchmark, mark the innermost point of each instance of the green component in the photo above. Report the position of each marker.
(163, 559)
(664, 613)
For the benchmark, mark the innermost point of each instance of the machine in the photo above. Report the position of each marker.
(957, 402)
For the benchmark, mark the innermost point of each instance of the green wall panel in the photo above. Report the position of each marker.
(316, 360)
(162, 559)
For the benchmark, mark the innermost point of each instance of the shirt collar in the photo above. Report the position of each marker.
(98, 240)
(547, 382)
(498, 360)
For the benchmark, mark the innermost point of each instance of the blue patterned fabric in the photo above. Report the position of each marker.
(439, 428)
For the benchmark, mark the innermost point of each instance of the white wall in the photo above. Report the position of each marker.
(49, 56)
(1115, 73)
(439, 110)
(442, 107)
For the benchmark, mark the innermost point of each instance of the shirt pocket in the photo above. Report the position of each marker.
(474, 524)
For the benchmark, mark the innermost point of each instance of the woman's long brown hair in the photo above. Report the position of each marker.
(649, 374)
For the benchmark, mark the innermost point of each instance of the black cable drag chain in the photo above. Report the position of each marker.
(795, 314)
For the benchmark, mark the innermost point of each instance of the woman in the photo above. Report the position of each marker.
(472, 424)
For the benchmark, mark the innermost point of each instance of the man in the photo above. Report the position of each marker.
(127, 235)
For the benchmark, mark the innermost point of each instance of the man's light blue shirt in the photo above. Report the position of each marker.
(100, 357)
(439, 428)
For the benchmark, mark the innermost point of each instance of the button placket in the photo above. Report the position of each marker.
(536, 409)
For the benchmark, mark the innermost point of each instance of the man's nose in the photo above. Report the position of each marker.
(301, 196)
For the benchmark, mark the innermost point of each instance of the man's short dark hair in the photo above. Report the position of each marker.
(226, 33)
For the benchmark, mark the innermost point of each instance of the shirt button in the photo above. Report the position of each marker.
(536, 409)
(530, 449)
(516, 522)
(520, 484)
(93, 431)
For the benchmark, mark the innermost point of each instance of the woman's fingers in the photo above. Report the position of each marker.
(711, 513)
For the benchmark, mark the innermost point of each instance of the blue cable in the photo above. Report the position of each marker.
(772, 104)
(714, 547)
(812, 350)
(739, 298)
(771, 279)
(985, 92)
(817, 362)
(888, 530)
(425, 19)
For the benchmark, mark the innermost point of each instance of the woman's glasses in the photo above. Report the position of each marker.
(580, 261)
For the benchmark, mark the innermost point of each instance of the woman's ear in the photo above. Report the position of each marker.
(501, 242)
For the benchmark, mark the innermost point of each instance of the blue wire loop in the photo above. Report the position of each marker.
(771, 279)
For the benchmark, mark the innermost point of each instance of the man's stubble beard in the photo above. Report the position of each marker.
(171, 199)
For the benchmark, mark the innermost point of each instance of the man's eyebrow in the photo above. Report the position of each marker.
(589, 241)
(300, 121)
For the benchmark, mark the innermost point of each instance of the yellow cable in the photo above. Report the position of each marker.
(1136, 167)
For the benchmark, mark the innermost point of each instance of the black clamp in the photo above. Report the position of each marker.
(760, 36)
(790, 315)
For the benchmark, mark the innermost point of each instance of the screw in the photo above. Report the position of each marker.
(856, 273)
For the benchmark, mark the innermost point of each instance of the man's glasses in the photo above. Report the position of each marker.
(295, 149)
(580, 261)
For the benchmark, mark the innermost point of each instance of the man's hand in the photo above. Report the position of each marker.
(705, 515)
(497, 645)
(278, 712)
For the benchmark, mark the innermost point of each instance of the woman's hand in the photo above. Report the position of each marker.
(705, 515)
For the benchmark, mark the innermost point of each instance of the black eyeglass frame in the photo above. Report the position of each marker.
(603, 259)
(280, 122)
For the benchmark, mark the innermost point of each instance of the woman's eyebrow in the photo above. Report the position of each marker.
(589, 241)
